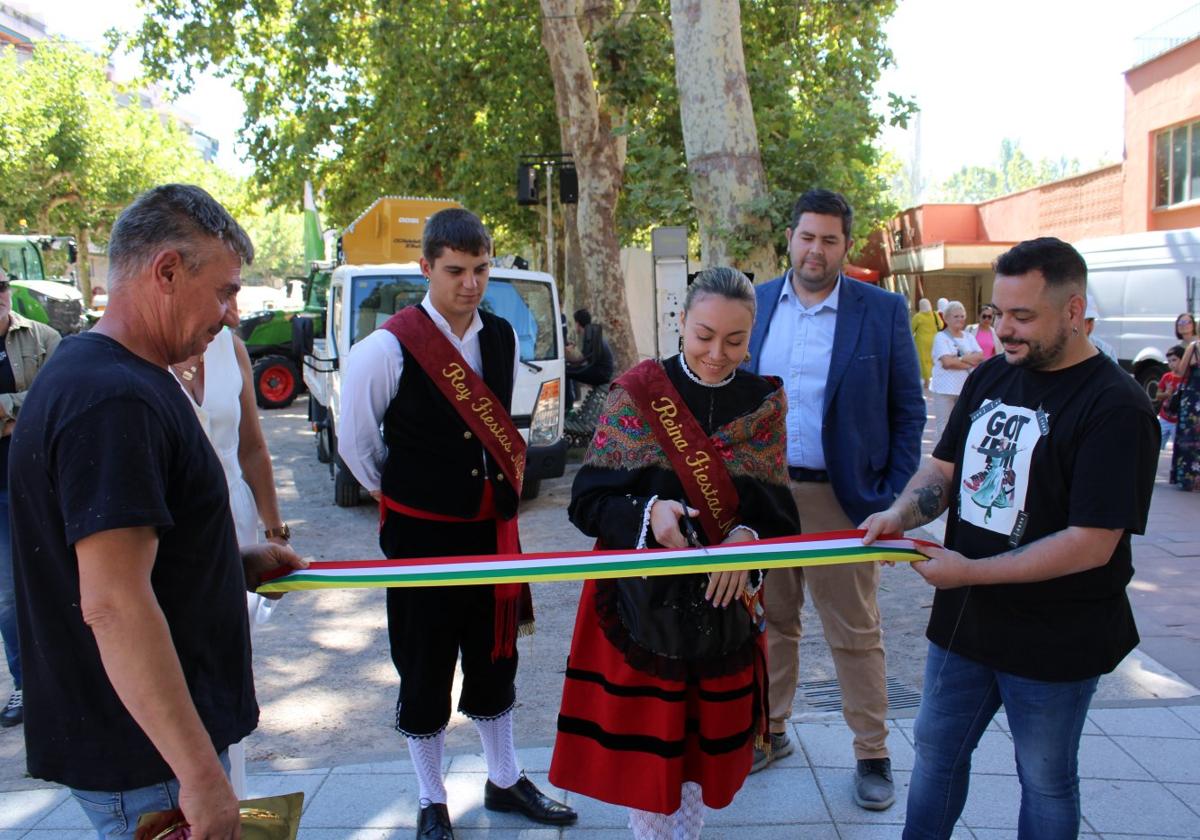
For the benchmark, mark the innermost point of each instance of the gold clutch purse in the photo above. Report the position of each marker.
(269, 818)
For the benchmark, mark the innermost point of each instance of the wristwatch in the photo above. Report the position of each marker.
(284, 532)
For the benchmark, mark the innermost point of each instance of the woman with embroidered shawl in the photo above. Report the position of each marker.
(666, 681)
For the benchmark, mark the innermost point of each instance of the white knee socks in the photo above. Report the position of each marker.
(649, 825)
(684, 824)
(689, 819)
(497, 737)
(426, 756)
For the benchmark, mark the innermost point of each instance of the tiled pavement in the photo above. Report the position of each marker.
(1138, 769)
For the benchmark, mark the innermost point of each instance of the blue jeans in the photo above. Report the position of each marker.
(8, 596)
(114, 815)
(1046, 719)
(1168, 431)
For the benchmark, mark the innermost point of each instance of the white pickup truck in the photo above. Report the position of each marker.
(361, 298)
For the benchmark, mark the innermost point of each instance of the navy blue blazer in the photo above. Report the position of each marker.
(874, 410)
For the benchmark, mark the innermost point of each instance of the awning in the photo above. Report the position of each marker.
(950, 257)
(858, 272)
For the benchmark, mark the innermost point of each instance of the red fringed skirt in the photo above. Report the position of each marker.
(632, 738)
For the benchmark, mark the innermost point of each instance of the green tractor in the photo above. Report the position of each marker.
(35, 295)
(276, 357)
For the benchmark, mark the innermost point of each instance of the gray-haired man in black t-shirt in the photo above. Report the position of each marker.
(1046, 466)
(131, 588)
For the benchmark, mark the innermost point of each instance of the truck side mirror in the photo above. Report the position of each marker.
(302, 336)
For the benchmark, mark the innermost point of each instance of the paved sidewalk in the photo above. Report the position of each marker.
(1137, 766)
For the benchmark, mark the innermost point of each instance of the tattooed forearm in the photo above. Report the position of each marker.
(931, 500)
(924, 504)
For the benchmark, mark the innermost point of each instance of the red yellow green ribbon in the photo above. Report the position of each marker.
(823, 549)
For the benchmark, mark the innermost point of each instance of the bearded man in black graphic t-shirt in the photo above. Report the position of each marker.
(1046, 466)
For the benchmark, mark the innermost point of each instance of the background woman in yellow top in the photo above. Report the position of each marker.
(925, 325)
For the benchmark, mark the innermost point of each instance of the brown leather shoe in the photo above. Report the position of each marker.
(873, 788)
(525, 798)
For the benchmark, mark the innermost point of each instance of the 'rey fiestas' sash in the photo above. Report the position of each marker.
(486, 417)
(706, 482)
(463, 388)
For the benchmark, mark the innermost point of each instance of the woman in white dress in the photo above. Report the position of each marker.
(955, 354)
(220, 386)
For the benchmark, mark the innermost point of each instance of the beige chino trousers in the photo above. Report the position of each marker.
(845, 599)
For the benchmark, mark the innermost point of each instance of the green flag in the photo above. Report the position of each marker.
(314, 245)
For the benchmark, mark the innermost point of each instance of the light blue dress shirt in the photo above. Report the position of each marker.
(797, 349)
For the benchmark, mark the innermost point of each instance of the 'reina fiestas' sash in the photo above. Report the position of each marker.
(706, 482)
(463, 388)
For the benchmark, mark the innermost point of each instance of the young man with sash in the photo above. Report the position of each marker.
(447, 472)
(665, 692)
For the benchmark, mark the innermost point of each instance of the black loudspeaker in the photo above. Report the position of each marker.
(568, 185)
(527, 186)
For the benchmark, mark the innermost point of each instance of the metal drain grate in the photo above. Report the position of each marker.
(827, 695)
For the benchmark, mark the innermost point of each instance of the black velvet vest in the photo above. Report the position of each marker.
(435, 463)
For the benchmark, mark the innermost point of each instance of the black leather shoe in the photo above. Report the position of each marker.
(434, 822)
(528, 800)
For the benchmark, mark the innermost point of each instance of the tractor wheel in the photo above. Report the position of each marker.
(276, 381)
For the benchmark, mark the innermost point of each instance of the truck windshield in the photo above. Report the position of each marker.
(21, 261)
(526, 304)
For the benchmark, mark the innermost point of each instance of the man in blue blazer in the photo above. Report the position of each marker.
(855, 417)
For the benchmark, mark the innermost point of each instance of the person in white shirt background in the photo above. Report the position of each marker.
(955, 354)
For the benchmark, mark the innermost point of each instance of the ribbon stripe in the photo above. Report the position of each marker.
(807, 550)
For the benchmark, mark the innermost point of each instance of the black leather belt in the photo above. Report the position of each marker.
(805, 474)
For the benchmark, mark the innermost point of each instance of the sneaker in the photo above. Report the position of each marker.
(873, 788)
(781, 747)
(14, 712)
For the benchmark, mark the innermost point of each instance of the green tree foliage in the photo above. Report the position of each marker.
(75, 149)
(1014, 171)
(423, 97)
(813, 68)
(70, 153)
(385, 97)
(278, 236)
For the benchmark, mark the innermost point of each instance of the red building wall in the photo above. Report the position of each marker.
(1161, 93)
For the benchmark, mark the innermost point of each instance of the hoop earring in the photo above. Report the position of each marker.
(1075, 330)
(746, 360)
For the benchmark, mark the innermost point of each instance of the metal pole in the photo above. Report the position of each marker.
(549, 222)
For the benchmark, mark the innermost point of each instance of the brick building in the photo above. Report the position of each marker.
(946, 250)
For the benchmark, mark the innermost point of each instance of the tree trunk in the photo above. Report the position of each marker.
(575, 289)
(574, 282)
(721, 142)
(82, 240)
(599, 162)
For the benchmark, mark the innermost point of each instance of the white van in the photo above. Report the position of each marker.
(362, 297)
(1142, 282)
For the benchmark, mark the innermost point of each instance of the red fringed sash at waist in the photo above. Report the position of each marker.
(514, 601)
